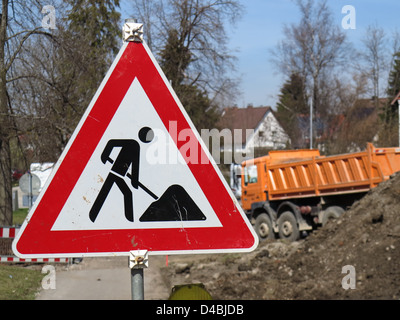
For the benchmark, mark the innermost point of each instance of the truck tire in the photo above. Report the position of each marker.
(263, 227)
(331, 213)
(288, 228)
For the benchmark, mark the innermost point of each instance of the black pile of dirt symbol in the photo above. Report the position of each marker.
(174, 205)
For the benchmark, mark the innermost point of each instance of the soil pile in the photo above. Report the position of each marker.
(366, 238)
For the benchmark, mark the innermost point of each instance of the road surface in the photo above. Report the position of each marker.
(105, 279)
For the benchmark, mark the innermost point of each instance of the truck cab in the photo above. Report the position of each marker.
(256, 182)
(253, 183)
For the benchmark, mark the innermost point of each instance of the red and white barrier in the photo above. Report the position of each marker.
(10, 232)
(15, 259)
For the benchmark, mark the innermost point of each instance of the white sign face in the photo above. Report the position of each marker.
(156, 172)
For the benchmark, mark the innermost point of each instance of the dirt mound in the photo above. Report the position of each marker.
(365, 240)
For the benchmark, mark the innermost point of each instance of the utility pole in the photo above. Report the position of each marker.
(311, 123)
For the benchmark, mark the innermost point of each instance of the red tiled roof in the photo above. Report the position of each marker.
(242, 118)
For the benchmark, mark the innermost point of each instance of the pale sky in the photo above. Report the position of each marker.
(260, 29)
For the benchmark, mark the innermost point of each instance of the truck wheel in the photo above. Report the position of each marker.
(263, 227)
(288, 228)
(331, 213)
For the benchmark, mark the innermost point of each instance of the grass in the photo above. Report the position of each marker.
(19, 216)
(18, 283)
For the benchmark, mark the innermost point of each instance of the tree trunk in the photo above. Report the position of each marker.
(5, 182)
(5, 129)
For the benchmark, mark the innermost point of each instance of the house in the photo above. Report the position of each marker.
(258, 127)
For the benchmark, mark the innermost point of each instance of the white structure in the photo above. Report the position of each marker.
(43, 171)
(260, 128)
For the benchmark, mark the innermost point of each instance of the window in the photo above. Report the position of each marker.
(250, 174)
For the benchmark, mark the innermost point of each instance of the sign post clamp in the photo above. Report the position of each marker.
(138, 260)
(132, 31)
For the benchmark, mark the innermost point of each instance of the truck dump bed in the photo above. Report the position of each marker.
(294, 174)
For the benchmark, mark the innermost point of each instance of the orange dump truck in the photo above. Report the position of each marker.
(292, 192)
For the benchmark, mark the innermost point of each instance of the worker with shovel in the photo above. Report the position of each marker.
(129, 156)
(174, 205)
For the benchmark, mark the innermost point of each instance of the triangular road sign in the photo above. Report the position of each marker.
(135, 175)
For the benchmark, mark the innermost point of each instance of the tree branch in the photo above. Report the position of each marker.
(24, 38)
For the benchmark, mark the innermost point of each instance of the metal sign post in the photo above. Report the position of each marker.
(138, 261)
(30, 190)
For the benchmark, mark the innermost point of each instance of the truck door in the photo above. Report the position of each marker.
(252, 188)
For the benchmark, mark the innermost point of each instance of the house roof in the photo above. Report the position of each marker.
(242, 118)
(396, 98)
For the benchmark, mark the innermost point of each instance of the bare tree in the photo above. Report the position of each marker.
(62, 75)
(201, 27)
(48, 77)
(312, 48)
(18, 22)
(376, 58)
(150, 13)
